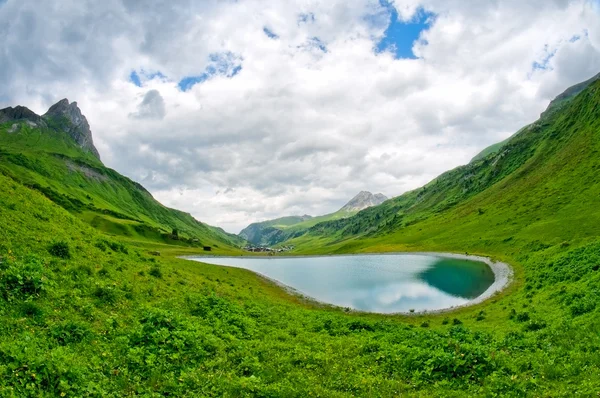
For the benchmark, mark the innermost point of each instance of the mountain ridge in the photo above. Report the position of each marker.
(62, 115)
(55, 155)
(563, 139)
(553, 106)
(272, 232)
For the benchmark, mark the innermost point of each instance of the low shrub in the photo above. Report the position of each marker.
(60, 249)
(156, 272)
(70, 332)
(22, 279)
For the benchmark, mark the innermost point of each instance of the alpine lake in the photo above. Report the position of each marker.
(381, 283)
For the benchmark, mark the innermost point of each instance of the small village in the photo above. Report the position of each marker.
(265, 249)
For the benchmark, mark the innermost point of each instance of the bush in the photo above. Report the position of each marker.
(522, 317)
(582, 306)
(70, 332)
(31, 310)
(106, 294)
(156, 272)
(60, 249)
(117, 247)
(456, 321)
(534, 325)
(101, 245)
(22, 280)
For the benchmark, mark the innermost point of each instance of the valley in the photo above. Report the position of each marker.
(95, 301)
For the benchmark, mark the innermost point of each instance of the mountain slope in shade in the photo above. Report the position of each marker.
(257, 233)
(55, 155)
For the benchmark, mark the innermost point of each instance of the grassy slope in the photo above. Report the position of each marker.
(113, 321)
(47, 160)
(542, 188)
(556, 105)
(273, 232)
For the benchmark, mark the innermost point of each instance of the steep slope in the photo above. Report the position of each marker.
(555, 105)
(55, 155)
(266, 231)
(82, 314)
(86, 315)
(541, 188)
(272, 232)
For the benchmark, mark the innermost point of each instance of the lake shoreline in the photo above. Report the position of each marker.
(503, 276)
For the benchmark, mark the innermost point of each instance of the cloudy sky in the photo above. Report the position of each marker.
(240, 111)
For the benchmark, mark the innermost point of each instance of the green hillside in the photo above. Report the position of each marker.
(531, 192)
(84, 314)
(44, 156)
(555, 105)
(273, 232)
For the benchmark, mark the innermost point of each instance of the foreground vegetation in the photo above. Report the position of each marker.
(83, 313)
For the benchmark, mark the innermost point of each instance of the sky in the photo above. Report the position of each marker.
(242, 111)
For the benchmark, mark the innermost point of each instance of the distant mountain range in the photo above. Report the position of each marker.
(271, 232)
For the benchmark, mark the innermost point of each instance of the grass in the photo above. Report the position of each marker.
(83, 313)
(113, 320)
(49, 162)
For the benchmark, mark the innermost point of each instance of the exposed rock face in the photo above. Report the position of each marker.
(19, 113)
(363, 200)
(77, 127)
(64, 115)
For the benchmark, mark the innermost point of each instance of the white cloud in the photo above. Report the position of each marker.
(151, 107)
(298, 129)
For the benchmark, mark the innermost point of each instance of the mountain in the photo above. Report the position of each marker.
(272, 232)
(55, 155)
(543, 179)
(554, 105)
(69, 118)
(85, 314)
(268, 231)
(362, 201)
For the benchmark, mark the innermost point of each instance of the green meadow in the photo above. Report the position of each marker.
(95, 302)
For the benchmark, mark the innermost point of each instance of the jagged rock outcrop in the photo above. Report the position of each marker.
(62, 116)
(364, 200)
(77, 125)
(17, 113)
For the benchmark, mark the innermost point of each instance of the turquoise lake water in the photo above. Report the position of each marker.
(375, 283)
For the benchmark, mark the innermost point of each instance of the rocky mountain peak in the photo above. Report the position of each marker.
(17, 113)
(363, 200)
(77, 127)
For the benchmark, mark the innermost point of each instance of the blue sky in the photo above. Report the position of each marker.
(224, 64)
(270, 34)
(400, 36)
